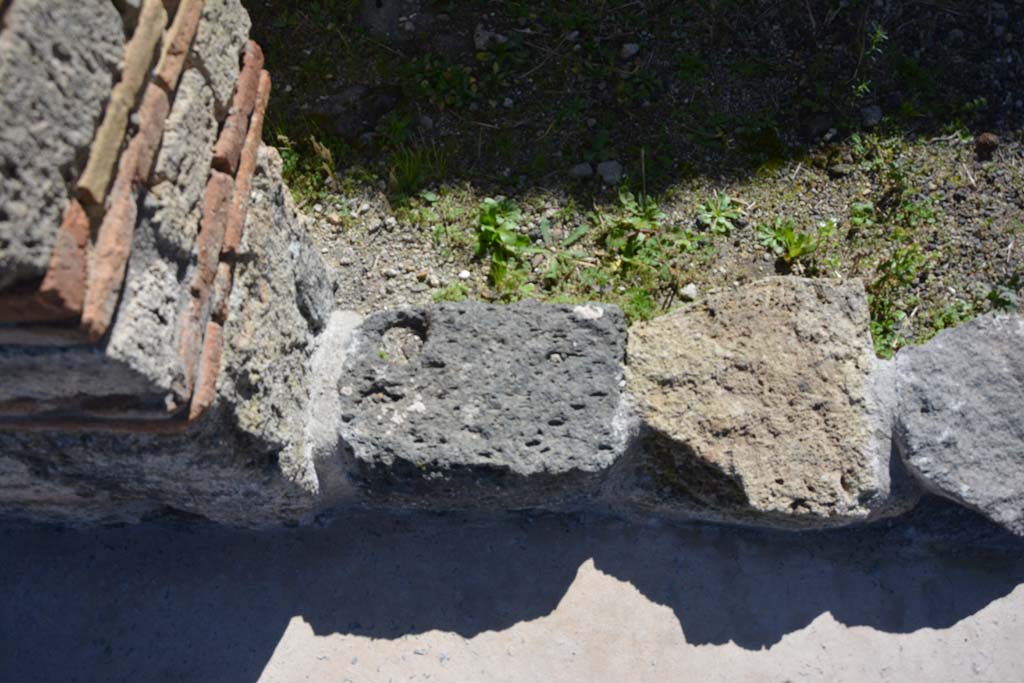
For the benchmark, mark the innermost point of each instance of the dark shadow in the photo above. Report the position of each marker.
(721, 89)
(185, 601)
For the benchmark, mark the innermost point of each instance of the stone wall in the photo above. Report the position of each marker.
(133, 298)
(169, 341)
(128, 157)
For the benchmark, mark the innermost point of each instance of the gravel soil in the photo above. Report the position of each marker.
(898, 123)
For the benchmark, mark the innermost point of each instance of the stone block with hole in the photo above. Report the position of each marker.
(477, 405)
(767, 403)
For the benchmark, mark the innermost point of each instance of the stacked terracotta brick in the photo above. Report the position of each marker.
(77, 299)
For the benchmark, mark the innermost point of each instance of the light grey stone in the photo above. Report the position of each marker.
(766, 404)
(477, 405)
(629, 50)
(182, 166)
(57, 65)
(280, 299)
(960, 418)
(610, 172)
(322, 442)
(212, 470)
(217, 49)
(28, 492)
(146, 331)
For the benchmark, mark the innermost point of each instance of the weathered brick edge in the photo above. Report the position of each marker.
(114, 240)
(106, 147)
(224, 212)
(228, 149)
(246, 167)
(62, 293)
(177, 43)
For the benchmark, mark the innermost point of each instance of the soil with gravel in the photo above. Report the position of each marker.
(901, 122)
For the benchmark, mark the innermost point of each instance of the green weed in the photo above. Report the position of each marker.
(718, 214)
(456, 291)
(795, 249)
(499, 239)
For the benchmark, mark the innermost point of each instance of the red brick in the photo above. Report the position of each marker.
(152, 116)
(177, 42)
(190, 341)
(61, 293)
(246, 167)
(209, 367)
(109, 260)
(228, 149)
(64, 283)
(138, 55)
(216, 206)
(208, 246)
(23, 307)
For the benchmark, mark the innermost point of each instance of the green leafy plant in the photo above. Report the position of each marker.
(627, 232)
(793, 247)
(719, 213)
(888, 297)
(456, 291)
(498, 237)
(862, 215)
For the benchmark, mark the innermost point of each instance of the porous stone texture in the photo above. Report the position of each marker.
(761, 401)
(211, 470)
(57, 65)
(49, 373)
(480, 405)
(217, 48)
(183, 165)
(31, 493)
(155, 295)
(960, 417)
(147, 327)
(281, 298)
(243, 462)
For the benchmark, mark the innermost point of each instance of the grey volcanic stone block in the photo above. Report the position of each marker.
(960, 421)
(481, 405)
(766, 403)
(57, 66)
(217, 48)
